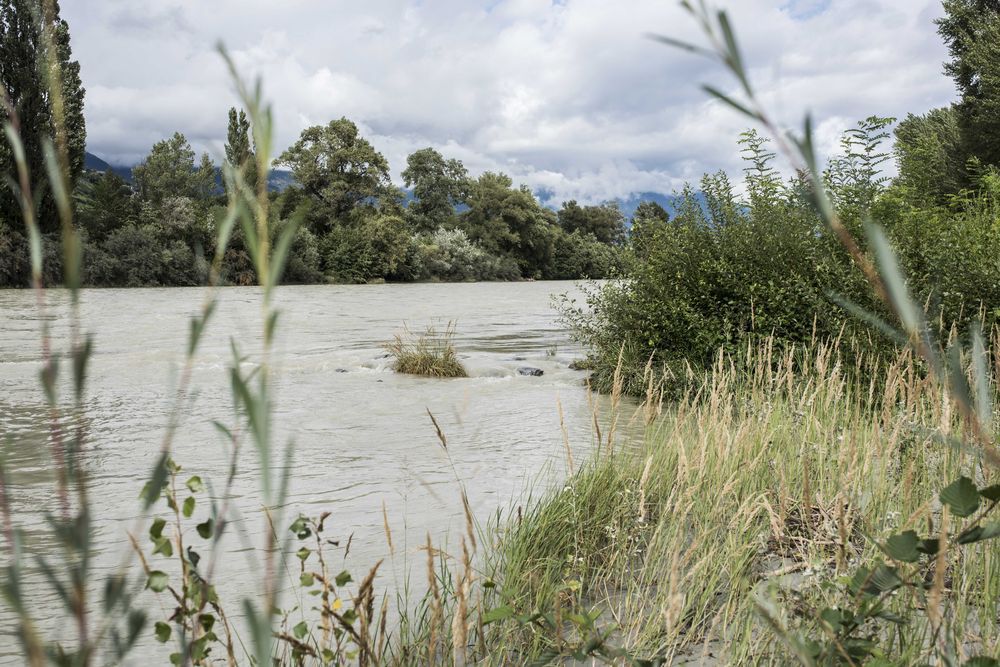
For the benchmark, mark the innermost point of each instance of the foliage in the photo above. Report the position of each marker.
(971, 31)
(579, 255)
(340, 169)
(239, 147)
(104, 203)
(372, 248)
(430, 353)
(605, 222)
(169, 171)
(929, 155)
(854, 631)
(509, 222)
(439, 186)
(449, 255)
(34, 40)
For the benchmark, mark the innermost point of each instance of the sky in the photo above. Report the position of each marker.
(570, 97)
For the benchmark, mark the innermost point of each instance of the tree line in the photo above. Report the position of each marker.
(356, 224)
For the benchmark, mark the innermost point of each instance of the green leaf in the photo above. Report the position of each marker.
(884, 579)
(726, 99)
(498, 614)
(163, 546)
(195, 484)
(930, 546)
(157, 581)
(979, 533)
(156, 530)
(303, 554)
(307, 579)
(981, 661)
(205, 529)
(187, 509)
(151, 491)
(162, 631)
(343, 578)
(206, 621)
(991, 493)
(961, 497)
(300, 630)
(903, 547)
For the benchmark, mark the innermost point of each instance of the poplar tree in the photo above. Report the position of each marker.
(24, 75)
(239, 148)
(971, 31)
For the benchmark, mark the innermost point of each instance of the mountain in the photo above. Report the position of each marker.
(278, 179)
(93, 163)
(627, 206)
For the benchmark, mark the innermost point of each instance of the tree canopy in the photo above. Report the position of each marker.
(339, 168)
(439, 185)
(26, 27)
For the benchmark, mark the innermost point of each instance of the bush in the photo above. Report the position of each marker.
(431, 354)
(579, 255)
(376, 247)
(15, 264)
(303, 264)
(136, 258)
(722, 271)
(448, 254)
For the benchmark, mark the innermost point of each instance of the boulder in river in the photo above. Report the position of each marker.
(530, 370)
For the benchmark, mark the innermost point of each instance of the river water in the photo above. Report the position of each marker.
(363, 439)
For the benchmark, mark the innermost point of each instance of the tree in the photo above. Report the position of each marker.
(438, 185)
(338, 168)
(509, 222)
(649, 220)
(971, 31)
(239, 149)
(104, 204)
(929, 155)
(203, 182)
(24, 77)
(605, 222)
(168, 171)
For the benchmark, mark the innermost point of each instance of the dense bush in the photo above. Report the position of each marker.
(449, 255)
(722, 269)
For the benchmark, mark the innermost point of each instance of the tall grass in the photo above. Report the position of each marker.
(775, 476)
(431, 353)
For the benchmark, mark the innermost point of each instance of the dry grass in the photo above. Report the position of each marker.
(431, 354)
(773, 479)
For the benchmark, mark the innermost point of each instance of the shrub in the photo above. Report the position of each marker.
(448, 254)
(430, 353)
(721, 271)
(374, 247)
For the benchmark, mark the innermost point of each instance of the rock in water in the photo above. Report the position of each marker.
(530, 370)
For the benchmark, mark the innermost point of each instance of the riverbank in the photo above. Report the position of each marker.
(724, 534)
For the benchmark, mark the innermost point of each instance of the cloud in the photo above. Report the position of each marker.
(566, 96)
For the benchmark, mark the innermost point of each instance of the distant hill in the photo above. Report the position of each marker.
(93, 163)
(627, 206)
(278, 179)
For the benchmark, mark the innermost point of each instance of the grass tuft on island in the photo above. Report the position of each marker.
(431, 354)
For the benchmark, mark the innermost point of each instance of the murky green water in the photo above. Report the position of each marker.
(362, 435)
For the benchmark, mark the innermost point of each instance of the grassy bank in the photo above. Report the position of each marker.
(776, 478)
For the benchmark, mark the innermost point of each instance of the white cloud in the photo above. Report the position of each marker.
(565, 96)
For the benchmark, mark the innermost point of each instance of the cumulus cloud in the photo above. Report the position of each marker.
(567, 96)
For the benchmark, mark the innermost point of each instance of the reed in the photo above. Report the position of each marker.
(431, 354)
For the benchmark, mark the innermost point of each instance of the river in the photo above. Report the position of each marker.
(362, 436)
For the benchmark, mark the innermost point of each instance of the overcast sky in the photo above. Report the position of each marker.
(564, 95)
